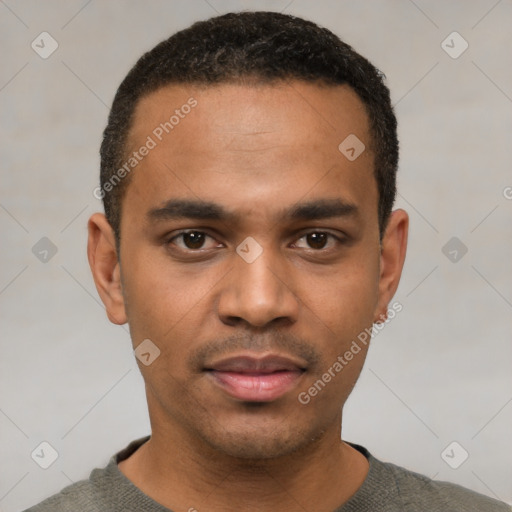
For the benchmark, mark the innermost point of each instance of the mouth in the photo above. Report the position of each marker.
(256, 379)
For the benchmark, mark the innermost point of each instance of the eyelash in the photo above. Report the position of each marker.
(188, 250)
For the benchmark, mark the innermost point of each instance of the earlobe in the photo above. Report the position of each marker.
(104, 263)
(392, 257)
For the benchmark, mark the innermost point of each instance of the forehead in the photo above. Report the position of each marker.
(251, 144)
(256, 109)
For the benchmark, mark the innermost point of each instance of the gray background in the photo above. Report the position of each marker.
(439, 372)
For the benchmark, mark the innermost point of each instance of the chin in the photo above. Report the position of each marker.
(260, 443)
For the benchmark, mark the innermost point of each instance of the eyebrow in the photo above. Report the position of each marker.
(207, 210)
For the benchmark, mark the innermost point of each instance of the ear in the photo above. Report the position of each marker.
(104, 263)
(392, 257)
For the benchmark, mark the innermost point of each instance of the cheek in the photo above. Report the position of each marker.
(154, 299)
(345, 298)
(164, 303)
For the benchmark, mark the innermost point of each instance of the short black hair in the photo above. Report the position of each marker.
(265, 46)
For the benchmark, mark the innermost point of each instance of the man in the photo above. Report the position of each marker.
(248, 177)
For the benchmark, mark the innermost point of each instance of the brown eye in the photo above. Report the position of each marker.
(316, 240)
(191, 240)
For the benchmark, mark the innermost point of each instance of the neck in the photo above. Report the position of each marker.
(182, 472)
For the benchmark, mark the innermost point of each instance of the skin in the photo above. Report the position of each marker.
(256, 150)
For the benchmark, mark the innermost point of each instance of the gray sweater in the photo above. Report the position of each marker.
(387, 488)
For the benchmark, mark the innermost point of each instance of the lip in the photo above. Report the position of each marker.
(256, 379)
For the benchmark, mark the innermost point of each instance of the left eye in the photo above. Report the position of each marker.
(191, 239)
(317, 239)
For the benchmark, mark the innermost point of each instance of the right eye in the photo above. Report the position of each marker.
(191, 240)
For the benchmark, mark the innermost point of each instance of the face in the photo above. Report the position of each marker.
(250, 257)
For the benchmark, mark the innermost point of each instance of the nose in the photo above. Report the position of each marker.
(258, 293)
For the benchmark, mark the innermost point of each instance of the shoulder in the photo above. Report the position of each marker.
(105, 489)
(418, 492)
(78, 496)
(391, 488)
